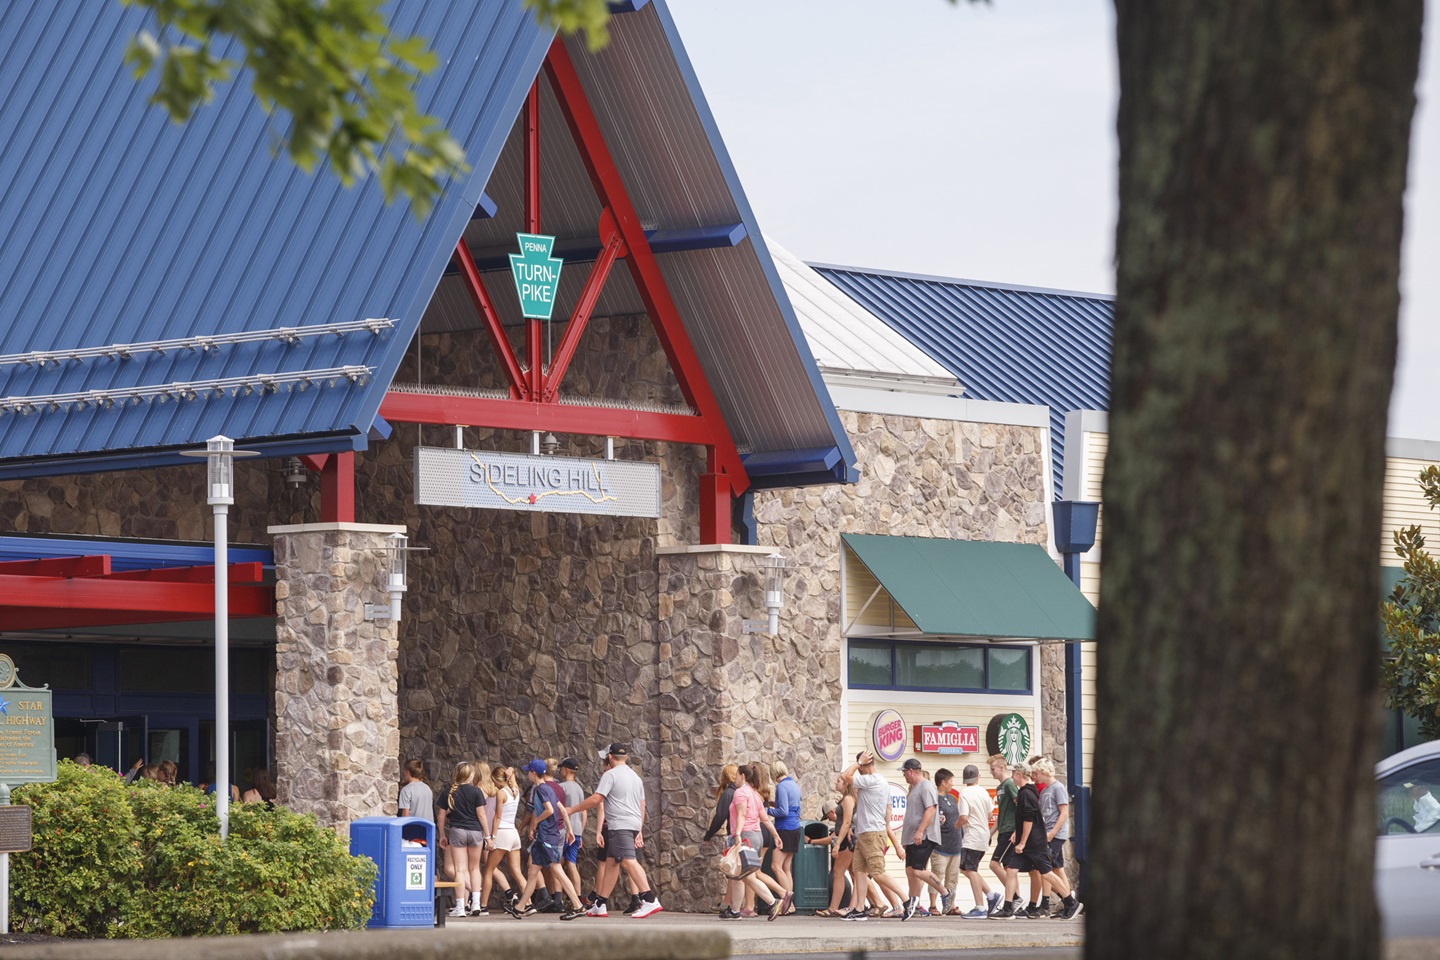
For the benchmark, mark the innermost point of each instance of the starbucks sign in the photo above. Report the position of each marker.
(1008, 735)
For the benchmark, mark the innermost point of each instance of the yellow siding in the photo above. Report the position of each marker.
(882, 611)
(861, 707)
(1095, 446)
(1405, 506)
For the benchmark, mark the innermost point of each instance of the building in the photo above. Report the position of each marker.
(596, 495)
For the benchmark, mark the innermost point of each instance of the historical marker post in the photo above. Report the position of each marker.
(27, 755)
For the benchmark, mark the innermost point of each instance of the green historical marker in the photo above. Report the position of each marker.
(27, 730)
(537, 275)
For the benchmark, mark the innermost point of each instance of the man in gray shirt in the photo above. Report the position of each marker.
(573, 796)
(872, 828)
(920, 833)
(416, 797)
(623, 794)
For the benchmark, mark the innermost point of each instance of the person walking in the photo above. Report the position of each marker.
(574, 794)
(920, 833)
(465, 832)
(1055, 811)
(786, 814)
(416, 797)
(842, 848)
(1004, 835)
(872, 828)
(720, 819)
(975, 807)
(262, 789)
(1032, 846)
(623, 794)
(504, 839)
(747, 814)
(945, 860)
(548, 849)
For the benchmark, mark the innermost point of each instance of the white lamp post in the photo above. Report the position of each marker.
(397, 558)
(220, 454)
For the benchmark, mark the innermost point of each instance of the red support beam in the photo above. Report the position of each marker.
(644, 269)
(237, 573)
(97, 566)
(40, 603)
(337, 489)
(314, 462)
(614, 247)
(480, 296)
(398, 407)
(535, 382)
(715, 509)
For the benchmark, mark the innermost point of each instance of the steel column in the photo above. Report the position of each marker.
(337, 489)
(480, 296)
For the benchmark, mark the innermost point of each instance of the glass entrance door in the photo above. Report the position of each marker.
(118, 743)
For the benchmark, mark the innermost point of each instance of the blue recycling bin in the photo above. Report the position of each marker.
(403, 849)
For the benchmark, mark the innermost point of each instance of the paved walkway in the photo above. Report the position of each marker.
(805, 934)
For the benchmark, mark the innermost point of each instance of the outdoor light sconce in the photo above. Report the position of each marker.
(295, 473)
(774, 566)
(397, 550)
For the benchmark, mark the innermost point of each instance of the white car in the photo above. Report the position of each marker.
(1407, 851)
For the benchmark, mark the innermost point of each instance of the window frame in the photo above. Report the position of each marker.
(985, 648)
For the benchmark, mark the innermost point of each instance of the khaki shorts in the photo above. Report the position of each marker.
(870, 852)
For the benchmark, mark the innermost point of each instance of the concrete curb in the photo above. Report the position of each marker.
(457, 943)
(909, 943)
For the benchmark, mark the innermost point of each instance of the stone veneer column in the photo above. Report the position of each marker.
(705, 592)
(337, 730)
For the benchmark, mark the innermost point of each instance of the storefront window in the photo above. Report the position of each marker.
(945, 667)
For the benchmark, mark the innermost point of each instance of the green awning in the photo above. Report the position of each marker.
(972, 588)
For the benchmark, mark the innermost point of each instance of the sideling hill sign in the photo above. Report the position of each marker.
(27, 729)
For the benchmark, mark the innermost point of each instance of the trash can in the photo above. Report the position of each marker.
(403, 849)
(811, 868)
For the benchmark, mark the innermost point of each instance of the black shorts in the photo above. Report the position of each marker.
(1004, 851)
(790, 840)
(620, 845)
(970, 859)
(1036, 858)
(600, 847)
(917, 855)
(1057, 853)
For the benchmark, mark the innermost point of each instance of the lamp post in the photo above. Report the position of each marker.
(220, 454)
(1075, 527)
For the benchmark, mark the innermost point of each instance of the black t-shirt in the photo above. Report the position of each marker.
(1027, 810)
(463, 802)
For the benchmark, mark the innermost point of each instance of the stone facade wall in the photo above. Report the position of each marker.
(337, 735)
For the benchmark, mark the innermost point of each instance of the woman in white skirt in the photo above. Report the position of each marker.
(505, 840)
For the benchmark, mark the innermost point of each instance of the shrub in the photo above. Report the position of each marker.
(276, 871)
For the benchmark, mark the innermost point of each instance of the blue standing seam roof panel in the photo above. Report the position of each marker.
(117, 226)
(1009, 344)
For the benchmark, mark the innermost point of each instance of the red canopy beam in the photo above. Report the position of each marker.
(400, 407)
(480, 296)
(644, 269)
(238, 573)
(54, 603)
(96, 566)
(613, 247)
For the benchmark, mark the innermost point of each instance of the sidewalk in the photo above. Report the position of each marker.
(806, 934)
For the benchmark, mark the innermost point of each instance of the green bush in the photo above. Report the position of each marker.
(147, 861)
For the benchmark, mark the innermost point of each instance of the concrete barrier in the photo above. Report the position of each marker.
(467, 942)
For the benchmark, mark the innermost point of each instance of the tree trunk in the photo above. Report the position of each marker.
(1263, 148)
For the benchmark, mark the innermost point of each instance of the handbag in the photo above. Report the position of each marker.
(739, 861)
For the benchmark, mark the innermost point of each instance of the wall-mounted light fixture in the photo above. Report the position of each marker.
(775, 567)
(295, 473)
(397, 559)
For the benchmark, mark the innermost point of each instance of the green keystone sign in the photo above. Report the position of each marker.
(27, 730)
(537, 275)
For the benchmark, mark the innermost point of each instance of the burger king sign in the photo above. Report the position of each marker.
(887, 734)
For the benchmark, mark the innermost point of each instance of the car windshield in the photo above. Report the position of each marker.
(1409, 799)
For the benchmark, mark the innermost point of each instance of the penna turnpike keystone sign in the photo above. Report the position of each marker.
(27, 730)
(537, 275)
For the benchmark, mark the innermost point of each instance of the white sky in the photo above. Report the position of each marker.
(978, 141)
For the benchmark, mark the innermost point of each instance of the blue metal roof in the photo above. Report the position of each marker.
(1005, 343)
(118, 226)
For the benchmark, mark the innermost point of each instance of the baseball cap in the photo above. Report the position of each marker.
(911, 764)
(615, 750)
(570, 763)
(971, 773)
(534, 766)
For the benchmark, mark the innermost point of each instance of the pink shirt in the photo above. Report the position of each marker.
(745, 809)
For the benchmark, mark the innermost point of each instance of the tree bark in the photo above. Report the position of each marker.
(1263, 149)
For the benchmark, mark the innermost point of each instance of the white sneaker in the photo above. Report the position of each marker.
(648, 908)
(458, 911)
(599, 910)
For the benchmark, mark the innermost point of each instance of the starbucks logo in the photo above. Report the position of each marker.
(1008, 735)
(7, 671)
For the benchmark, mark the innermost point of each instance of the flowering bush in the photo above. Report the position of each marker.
(147, 861)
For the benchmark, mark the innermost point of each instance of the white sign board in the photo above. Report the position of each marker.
(446, 477)
(416, 865)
